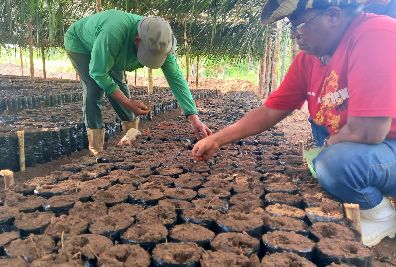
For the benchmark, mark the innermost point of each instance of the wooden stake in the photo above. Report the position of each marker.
(352, 213)
(150, 82)
(8, 178)
(301, 147)
(21, 142)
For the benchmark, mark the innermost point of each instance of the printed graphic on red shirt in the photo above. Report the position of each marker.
(333, 102)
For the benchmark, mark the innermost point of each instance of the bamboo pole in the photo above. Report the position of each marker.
(135, 77)
(150, 82)
(21, 142)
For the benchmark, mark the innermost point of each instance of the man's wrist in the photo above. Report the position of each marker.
(192, 117)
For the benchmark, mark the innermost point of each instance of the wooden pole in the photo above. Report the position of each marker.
(135, 77)
(150, 82)
(352, 213)
(301, 147)
(21, 142)
(8, 178)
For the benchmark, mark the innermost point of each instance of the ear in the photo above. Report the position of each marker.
(334, 15)
(137, 40)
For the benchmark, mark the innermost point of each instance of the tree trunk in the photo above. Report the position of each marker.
(275, 61)
(284, 45)
(99, 5)
(187, 51)
(197, 74)
(150, 82)
(262, 66)
(43, 60)
(268, 53)
(31, 48)
(21, 58)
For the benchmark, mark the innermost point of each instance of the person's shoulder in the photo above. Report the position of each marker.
(373, 22)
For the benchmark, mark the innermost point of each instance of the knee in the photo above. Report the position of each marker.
(331, 169)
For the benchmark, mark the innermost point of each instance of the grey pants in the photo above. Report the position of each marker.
(93, 94)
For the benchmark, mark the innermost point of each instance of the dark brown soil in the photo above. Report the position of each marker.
(58, 260)
(241, 222)
(31, 248)
(125, 210)
(345, 251)
(143, 172)
(324, 214)
(89, 210)
(125, 255)
(142, 233)
(276, 178)
(284, 223)
(218, 183)
(201, 216)
(23, 189)
(281, 188)
(8, 214)
(177, 253)
(97, 184)
(285, 259)
(254, 188)
(147, 196)
(214, 203)
(179, 205)
(33, 222)
(88, 246)
(237, 243)
(246, 197)
(180, 194)
(211, 192)
(161, 214)
(189, 181)
(126, 177)
(332, 230)
(7, 237)
(222, 258)
(191, 233)
(283, 198)
(24, 203)
(114, 195)
(58, 203)
(282, 241)
(316, 199)
(66, 226)
(170, 171)
(285, 210)
(13, 262)
(157, 181)
(49, 190)
(110, 225)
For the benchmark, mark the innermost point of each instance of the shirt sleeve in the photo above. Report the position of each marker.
(103, 53)
(292, 92)
(371, 74)
(179, 85)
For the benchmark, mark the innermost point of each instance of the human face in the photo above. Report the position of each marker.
(315, 31)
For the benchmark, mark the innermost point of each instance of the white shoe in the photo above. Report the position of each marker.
(378, 223)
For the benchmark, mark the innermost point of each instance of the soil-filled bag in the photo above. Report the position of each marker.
(194, 233)
(145, 235)
(177, 255)
(282, 241)
(9, 151)
(65, 140)
(343, 251)
(33, 147)
(56, 143)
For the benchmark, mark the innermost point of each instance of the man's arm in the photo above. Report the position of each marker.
(254, 122)
(366, 130)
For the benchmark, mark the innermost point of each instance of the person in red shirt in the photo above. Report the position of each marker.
(346, 73)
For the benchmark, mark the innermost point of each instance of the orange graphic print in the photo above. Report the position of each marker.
(331, 102)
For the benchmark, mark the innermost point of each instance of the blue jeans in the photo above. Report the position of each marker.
(356, 173)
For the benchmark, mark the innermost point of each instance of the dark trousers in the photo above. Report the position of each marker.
(93, 94)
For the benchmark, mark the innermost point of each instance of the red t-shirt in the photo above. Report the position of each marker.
(359, 80)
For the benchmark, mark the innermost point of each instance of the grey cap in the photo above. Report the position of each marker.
(157, 41)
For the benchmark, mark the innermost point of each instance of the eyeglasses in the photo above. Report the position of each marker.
(297, 29)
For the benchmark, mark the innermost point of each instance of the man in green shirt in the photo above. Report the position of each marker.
(104, 45)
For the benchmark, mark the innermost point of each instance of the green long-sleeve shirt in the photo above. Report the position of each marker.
(108, 37)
